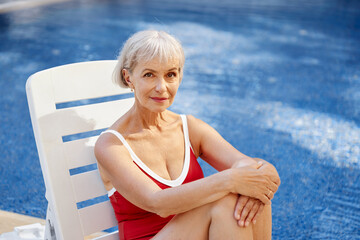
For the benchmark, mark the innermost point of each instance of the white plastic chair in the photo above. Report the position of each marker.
(52, 94)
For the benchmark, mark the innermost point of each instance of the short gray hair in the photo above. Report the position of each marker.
(147, 45)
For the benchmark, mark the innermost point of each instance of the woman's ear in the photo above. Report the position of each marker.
(126, 76)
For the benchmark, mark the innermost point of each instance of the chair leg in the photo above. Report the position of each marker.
(49, 227)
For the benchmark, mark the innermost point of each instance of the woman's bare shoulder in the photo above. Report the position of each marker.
(196, 124)
(108, 144)
(193, 119)
(197, 128)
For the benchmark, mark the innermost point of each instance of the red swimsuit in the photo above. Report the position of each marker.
(136, 223)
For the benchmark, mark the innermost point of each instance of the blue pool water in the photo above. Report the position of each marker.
(278, 79)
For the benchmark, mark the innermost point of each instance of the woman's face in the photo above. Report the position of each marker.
(155, 84)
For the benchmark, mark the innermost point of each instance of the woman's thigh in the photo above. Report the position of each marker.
(193, 224)
(216, 219)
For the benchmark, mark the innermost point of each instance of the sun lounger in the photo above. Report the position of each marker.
(69, 106)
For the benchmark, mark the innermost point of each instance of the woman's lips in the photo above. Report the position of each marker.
(158, 99)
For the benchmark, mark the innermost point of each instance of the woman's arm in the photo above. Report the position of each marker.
(139, 189)
(214, 149)
(211, 147)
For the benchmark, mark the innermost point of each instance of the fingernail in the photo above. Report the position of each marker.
(246, 224)
(242, 223)
(254, 221)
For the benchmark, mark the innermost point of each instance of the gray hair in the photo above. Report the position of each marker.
(147, 45)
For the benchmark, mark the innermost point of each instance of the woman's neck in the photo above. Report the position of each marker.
(145, 119)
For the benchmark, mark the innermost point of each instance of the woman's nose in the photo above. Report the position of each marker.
(160, 85)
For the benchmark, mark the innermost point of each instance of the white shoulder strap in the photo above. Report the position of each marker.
(122, 139)
(185, 128)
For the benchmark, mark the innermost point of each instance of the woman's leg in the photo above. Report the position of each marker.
(262, 228)
(211, 221)
(223, 224)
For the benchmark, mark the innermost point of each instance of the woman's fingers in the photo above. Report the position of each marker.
(242, 200)
(272, 186)
(272, 173)
(258, 213)
(253, 212)
(264, 199)
(245, 212)
(259, 164)
(270, 194)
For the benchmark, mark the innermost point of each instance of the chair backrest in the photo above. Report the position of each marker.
(69, 105)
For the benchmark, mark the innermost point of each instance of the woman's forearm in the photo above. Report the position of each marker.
(191, 195)
(244, 161)
(249, 181)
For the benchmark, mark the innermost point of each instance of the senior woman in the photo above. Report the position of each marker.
(148, 159)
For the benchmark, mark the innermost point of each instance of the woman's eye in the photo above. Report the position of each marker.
(171, 74)
(148, 75)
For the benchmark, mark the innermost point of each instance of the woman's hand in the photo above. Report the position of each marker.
(258, 181)
(270, 168)
(247, 210)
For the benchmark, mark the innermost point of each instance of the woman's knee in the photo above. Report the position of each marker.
(224, 206)
(223, 223)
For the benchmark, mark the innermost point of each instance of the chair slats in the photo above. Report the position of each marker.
(88, 185)
(97, 217)
(80, 152)
(86, 118)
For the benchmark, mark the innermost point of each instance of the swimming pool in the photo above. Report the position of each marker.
(280, 80)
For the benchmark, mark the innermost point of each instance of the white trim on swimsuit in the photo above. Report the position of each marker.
(141, 164)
